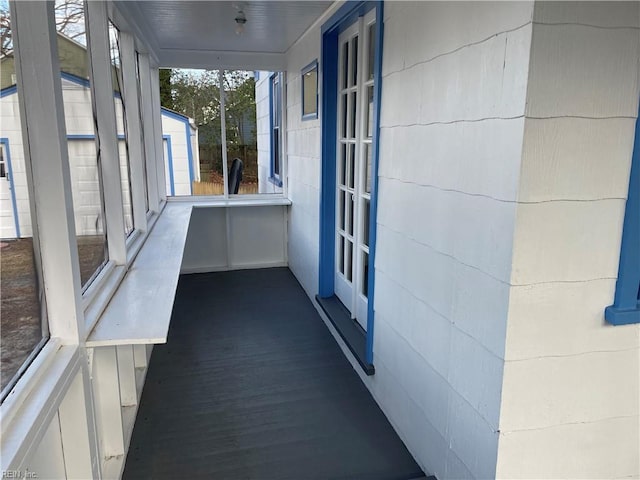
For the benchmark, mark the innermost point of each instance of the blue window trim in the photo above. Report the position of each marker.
(303, 72)
(342, 19)
(5, 141)
(274, 178)
(626, 306)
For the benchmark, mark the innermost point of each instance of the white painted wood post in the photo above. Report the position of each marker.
(106, 390)
(127, 376)
(157, 122)
(134, 134)
(105, 112)
(151, 145)
(76, 428)
(46, 155)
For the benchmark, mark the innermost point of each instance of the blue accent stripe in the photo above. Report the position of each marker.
(75, 79)
(8, 91)
(342, 19)
(5, 141)
(87, 137)
(172, 187)
(626, 306)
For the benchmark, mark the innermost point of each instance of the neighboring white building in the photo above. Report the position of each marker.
(180, 138)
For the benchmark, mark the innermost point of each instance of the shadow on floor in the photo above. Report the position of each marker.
(251, 385)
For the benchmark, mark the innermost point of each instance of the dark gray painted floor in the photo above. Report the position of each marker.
(251, 384)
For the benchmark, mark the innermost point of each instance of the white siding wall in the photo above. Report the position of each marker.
(176, 130)
(453, 101)
(571, 392)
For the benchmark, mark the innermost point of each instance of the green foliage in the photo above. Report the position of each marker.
(166, 100)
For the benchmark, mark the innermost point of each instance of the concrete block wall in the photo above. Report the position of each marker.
(571, 389)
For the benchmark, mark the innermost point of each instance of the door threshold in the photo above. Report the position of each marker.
(349, 329)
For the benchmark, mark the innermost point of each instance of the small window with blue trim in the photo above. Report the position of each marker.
(275, 117)
(626, 307)
(310, 91)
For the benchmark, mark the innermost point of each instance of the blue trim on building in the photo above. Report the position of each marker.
(172, 186)
(375, 157)
(87, 137)
(274, 178)
(303, 72)
(75, 79)
(5, 141)
(5, 92)
(626, 306)
(342, 19)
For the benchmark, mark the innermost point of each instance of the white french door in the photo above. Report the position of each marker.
(356, 53)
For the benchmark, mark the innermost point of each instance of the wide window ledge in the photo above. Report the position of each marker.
(140, 310)
(243, 201)
(352, 334)
(619, 316)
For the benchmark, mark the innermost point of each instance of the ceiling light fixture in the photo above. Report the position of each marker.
(240, 21)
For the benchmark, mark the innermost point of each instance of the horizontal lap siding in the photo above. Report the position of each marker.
(570, 401)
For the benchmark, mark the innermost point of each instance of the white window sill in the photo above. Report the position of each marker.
(140, 309)
(265, 200)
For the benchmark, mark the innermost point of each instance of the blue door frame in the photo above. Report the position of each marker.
(331, 30)
(14, 206)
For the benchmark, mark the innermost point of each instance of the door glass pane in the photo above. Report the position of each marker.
(341, 241)
(352, 165)
(365, 274)
(349, 262)
(345, 64)
(367, 155)
(371, 50)
(365, 221)
(343, 164)
(354, 77)
(343, 117)
(369, 119)
(341, 211)
(23, 327)
(350, 213)
(84, 157)
(121, 128)
(352, 115)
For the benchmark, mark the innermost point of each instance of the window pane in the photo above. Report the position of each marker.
(141, 113)
(365, 274)
(23, 324)
(121, 128)
(310, 92)
(354, 79)
(372, 48)
(365, 221)
(367, 181)
(369, 114)
(84, 158)
(349, 263)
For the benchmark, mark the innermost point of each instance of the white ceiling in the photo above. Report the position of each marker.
(192, 32)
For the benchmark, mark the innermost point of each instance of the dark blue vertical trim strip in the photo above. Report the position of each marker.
(626, 306)
(329, 66)
(12, 186)
(377, 95)
(172, 187)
